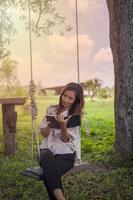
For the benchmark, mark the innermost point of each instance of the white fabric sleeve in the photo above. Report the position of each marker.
(75, 138)
(74, 132)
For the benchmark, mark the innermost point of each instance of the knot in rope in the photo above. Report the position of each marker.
(32, 90)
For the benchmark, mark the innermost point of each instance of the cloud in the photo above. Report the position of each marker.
(57, 65)
(41, 69)
(50, 73)
(103, 56)
(86, 6)
(82, 5)
(54, 59)
(60, 71)
(63, 46)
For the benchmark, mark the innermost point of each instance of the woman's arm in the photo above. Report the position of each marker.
(45, 131)
(63, 122)
(64, 134)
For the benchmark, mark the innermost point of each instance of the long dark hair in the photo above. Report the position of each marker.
(78, 104)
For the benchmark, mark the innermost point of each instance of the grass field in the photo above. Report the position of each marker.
(111, 178)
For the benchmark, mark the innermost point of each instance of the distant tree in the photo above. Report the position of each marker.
(93, 87)
(39, 85)
(8, 74)
(40, 90)
(110, 91)
(105, 92)
(97, 83)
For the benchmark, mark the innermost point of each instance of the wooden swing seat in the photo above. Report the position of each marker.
(37, 172)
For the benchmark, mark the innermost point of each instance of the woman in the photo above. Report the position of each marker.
(61, 146)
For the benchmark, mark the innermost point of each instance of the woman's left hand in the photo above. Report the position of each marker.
(62, 121)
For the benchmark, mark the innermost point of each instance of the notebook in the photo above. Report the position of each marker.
(73, 121)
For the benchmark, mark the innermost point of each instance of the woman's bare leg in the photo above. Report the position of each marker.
(59, 194)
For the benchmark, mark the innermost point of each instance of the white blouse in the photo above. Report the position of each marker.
(53, 141)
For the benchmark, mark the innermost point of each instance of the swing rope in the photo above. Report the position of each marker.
(32, 90)
(77, 54)
(77, 39)
(32, 87)
(36, 172)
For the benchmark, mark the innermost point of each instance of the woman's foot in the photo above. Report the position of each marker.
(59, 194)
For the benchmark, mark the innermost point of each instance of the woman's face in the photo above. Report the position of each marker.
(68, 98)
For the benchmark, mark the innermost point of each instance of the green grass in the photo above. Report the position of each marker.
(100, 117)
(114, 182)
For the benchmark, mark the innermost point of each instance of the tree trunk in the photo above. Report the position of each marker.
(121, 42)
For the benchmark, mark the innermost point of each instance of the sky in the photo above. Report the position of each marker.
(54, 56)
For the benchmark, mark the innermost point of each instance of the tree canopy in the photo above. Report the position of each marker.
(7, 29)
(45, 19)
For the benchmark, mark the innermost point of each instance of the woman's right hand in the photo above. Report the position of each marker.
(45, 131)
